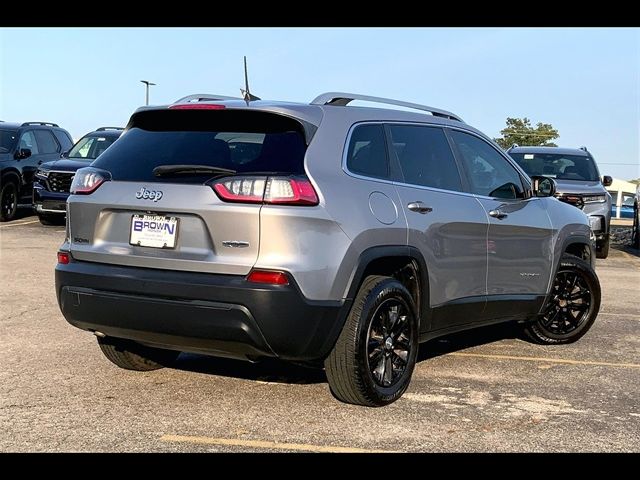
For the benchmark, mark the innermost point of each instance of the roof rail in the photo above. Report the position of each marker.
(204, 97)
(342, 99)
(47, 124)
(102, 129)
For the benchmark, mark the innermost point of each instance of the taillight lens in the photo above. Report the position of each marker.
(63, 258)
(268, 190)
(268, 276)
(87, 180)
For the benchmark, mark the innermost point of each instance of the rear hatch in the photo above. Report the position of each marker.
(158, 207)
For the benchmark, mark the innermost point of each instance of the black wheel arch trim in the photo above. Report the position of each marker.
(12, 172)
(389, 251)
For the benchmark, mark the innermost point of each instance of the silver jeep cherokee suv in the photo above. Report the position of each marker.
(318, 234)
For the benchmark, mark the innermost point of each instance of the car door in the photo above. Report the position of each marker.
(447, 225)
(520, 253)
(29, 165)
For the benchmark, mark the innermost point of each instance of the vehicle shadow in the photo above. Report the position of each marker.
(467, 339)
(24, 212)
(277, 371)
(267, 370)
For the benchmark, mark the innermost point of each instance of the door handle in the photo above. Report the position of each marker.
(497, 213)
(39, 162)
(419, 207)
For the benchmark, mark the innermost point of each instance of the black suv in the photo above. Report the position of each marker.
(53, 179)
(23, 148)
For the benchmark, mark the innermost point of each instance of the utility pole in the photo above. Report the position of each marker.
(148, 84)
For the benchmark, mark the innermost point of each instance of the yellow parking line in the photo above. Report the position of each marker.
(18, 224)
(234, 442)
(544, 359)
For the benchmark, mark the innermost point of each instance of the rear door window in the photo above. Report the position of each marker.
(242, 141)
(425, 157)
(46, 142)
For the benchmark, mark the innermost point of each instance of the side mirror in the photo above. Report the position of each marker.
(607, 180)
(23, 153)
(543, 186)
(64, 154)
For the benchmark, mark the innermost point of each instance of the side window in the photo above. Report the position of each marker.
(425, 157)
(46, 142)
(367, 152)
(490, 174)
(28, 140)
(83, 152)
(63, 139)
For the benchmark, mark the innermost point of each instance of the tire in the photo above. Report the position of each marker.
(8, 201)
(555, 326)
(379, 309)
(134, 356)
(602, 249)
(49, 220)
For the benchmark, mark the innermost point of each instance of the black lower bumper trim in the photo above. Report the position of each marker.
(198, 312)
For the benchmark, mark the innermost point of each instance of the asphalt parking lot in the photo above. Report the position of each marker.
(484, 390)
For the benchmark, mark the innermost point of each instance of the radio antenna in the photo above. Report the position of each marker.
(246, 94)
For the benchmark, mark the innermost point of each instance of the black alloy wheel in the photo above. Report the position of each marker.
(389, 342)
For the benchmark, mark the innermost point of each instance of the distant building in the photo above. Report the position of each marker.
(623, 195)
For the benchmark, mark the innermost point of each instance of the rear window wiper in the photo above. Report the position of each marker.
(163, 170)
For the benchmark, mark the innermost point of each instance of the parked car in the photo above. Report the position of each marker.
(579, 183)
(626, 209)
(53, 179)
(348, 236)
(23, 148)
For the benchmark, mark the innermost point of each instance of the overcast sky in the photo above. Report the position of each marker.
(585, 82)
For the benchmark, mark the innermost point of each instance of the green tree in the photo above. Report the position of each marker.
(520, 131)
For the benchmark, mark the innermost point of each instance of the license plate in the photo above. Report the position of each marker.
(155, 231)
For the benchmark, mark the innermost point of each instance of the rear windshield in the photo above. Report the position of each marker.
(243, 141)
(562, 167)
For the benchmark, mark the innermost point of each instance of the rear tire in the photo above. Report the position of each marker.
(50, 220)
(134, 356)
(373, 359)
(572, 305)
(602, 250)
(8, 201)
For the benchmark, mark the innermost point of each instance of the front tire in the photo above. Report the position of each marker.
(602, 249)
(134, 356)
(572, 305)
(373, 359)
(8, 201)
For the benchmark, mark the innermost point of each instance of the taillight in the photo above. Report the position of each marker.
(87, 180)
(268, 276)
(197, 106)
(268, 190)
(63, 258)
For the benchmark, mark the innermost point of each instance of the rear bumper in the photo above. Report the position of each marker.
(198, 312)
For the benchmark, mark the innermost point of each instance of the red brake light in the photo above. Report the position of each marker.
(241, 189)
(266, 276)
(87, 180)
(197, 106)
(290, 191)
(63, 258)
(267, 190)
